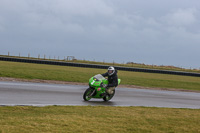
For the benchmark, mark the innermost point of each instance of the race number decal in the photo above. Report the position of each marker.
(92, 82)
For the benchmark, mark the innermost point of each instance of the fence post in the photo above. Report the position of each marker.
(44, 56)
(38, 56)
(28, 55)
(8, 53)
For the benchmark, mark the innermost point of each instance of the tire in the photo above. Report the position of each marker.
(87, 92)
(108, 97)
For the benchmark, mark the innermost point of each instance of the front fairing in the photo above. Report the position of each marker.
(93, 83)
(97, 80)
(96, 84)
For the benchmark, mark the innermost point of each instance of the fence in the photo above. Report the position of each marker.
(98, 66)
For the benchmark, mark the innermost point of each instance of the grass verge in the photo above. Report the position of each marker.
(74, 74)
(98, 119)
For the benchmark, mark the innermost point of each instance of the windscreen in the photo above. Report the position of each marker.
(99, 77)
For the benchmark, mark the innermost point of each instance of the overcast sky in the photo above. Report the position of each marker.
(161, 32)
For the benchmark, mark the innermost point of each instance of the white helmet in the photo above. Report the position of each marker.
(111, 71)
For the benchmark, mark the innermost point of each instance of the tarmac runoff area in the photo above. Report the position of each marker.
(42, 94)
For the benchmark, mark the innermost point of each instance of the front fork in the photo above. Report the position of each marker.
(91, 94)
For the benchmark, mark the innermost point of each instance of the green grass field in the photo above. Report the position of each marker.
(75, 74)
(98, 119)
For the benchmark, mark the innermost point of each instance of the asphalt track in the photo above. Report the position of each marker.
(38, 94)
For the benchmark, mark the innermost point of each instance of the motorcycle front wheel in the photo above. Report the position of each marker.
(87, 95)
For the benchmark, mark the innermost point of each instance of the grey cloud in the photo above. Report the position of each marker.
(129, 30)
(181, 17)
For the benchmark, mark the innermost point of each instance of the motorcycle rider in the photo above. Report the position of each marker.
(112, 80)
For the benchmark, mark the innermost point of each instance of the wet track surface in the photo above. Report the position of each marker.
(37, 94)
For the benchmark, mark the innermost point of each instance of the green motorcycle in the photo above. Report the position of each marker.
(96, 88)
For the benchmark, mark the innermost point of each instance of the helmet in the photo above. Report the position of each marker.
(111, 71)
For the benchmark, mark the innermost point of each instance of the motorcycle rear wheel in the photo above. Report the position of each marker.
(109, 97)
